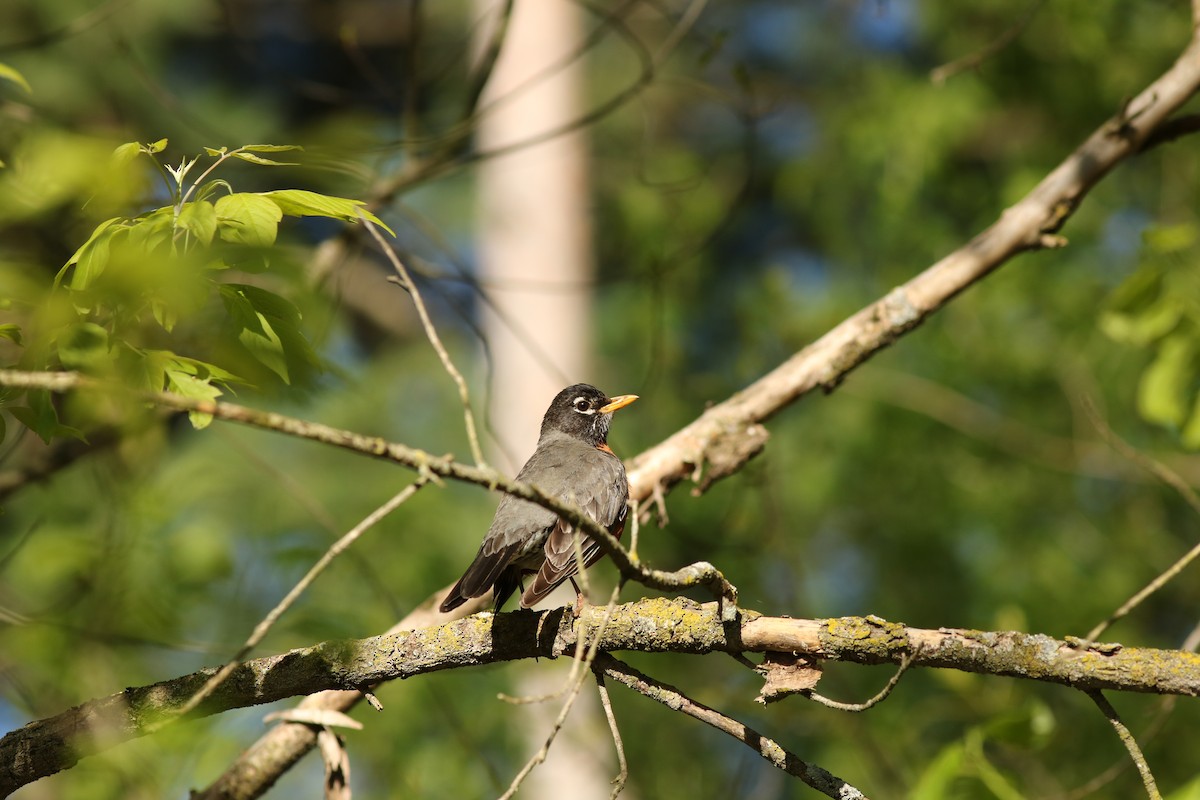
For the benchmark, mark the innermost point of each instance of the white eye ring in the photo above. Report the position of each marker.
(582, 405)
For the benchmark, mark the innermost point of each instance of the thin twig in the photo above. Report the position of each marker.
(635, 524)
(940, 74)
(581, 661)
(1167, 476)
(1151, 731)
(435, 340)
(701, 574)
(878, 698)
(262, 763)
(816, 777)
(579, 670)
(606, 702)
(482, 71)
(260, 631)
(1130, 743)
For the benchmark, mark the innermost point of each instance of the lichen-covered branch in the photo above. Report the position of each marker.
(657, 625)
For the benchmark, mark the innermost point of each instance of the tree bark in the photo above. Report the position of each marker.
(658, 625)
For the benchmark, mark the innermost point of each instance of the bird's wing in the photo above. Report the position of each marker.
(479, 577)
(516, 521)
(606, 505)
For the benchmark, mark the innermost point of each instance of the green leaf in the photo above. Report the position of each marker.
(202, 369)
(269, 303)
(1191, 429)
(937, 779)
(212, 186)
(246, 218)
(266, 162)
(270, 148)
(152, 230)
(998, 785)
(164, 315)
(199, 219)
(186, 385)
(300, 203)
(216, 153)
(9, 74)
(1170, 238)
(266, 347)
(1165, 391)
(1149, 323)
(11, 331)
(152, 370)
(126, 153)
(239, 308)
(270, 330)
(84, 346)
(156, 147)
(94, 251)
(41, 418)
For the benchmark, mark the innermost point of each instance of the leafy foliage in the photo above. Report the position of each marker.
(123, 299)
(1158, 308)
(787, 163)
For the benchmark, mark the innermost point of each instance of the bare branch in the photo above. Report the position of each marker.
(263, 627)
(1130, 743)
(658, 625)
(874, 701)
(1171, 130)
(606, 702)
(816, 777)
(406, 281)
(579, 671)
(707, 443)
(946, 71)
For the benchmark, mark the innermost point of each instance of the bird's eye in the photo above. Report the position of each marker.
(581, 405)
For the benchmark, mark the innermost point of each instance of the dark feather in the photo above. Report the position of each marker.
(484, 571)
(606, 507)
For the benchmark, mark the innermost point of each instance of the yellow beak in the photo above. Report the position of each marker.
(620, 401)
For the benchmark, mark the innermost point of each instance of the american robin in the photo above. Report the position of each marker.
(572, 462)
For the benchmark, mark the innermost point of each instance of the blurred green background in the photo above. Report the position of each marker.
(790, 163)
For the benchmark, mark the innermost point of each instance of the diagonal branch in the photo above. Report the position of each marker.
(1126, 737)
(678, 626)
(724, 437)
(264, 626)
(823, 781)
(729, 433)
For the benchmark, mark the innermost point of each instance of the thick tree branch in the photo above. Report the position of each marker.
(260, 765)
(729, 433)
(659, 626)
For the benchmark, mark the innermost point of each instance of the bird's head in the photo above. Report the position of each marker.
(584, 412)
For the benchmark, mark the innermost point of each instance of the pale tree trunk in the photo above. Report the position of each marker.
(535, 265)
(534, 236)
